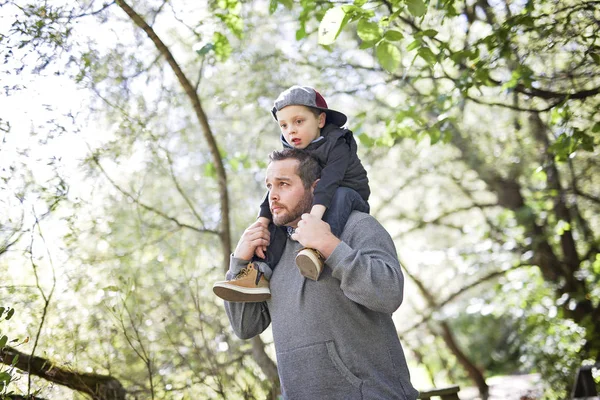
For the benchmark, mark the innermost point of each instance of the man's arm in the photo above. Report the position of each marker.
(365, 261)
(247, 319)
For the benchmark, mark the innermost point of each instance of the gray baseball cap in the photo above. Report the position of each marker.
(307, 96)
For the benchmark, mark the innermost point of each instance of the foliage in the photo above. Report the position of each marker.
(484, 51)
(7, 374)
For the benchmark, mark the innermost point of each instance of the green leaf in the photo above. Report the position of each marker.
(396, 14)
(3, 341)
(272, 6)
(10, 313)
(413, 45)
(595, 57)
(368, 45)
(234, 23)
(562, 227)
(353, 13)
(596, 128)
(331, 25)
(389, 56)
(585, 141)
(539, 175)
(393, 35)
(429, 33)
(596, 265)
(434, 135)
(565, 145)
(427, 55)
(205, 49)
(222, 46)
(287, 3)
(368, 31)
(210, 170)
(366, 140)
(301, 33)
(5, 378)
(446, 136)
(360, 3)
(416, 7)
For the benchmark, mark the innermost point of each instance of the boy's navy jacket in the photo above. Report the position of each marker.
(337, 155)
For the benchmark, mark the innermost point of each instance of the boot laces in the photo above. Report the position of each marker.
(244, 271)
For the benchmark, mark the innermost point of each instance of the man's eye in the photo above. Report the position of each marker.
(282, 126)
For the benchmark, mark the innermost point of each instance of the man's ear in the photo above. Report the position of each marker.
(322, 119)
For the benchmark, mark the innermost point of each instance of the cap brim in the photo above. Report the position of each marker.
(336, 117)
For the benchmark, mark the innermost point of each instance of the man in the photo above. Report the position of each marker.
(334, 338)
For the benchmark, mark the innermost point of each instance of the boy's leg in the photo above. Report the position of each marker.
(274, 250)
(345, 200)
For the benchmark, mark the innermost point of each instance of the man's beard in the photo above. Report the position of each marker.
(303, 206)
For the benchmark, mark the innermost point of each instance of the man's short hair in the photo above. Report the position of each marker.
(308, 169)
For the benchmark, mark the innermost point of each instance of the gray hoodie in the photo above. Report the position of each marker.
(335, 338)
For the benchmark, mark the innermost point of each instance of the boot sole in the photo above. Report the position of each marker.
(306, 264)
(239, 294)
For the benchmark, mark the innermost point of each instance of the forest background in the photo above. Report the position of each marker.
(134, 139)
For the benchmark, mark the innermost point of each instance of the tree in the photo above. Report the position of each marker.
(534, 65)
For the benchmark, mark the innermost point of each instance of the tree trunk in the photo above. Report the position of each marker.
(266, 364)
(560, 272)
(472, 370)
(474, 373)
(225, 234)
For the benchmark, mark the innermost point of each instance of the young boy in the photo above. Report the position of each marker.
(306, 123)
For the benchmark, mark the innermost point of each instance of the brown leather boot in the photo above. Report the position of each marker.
(310, 262)
(249, 285)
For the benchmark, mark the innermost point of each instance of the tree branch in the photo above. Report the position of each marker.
(150, 208)
(99, 387)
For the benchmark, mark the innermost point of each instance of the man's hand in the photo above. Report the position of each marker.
(314, 233)
(255, 236)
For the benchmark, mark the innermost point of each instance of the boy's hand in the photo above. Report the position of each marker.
(261, 251)
(255, 236)
(316, 234)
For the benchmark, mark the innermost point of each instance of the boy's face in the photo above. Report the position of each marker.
(299, 125)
